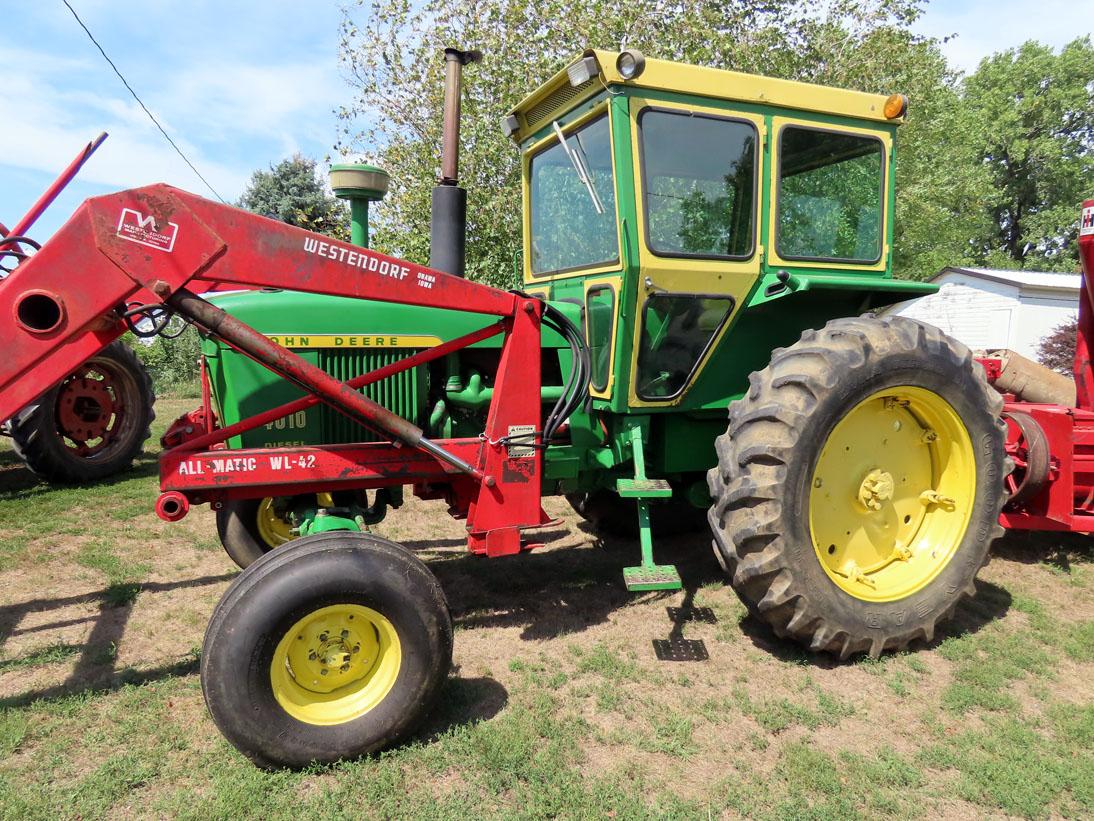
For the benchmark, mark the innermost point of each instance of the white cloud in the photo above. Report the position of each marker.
(210, 110)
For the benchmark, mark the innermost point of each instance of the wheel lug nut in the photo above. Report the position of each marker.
(322, 672)
(345, 633)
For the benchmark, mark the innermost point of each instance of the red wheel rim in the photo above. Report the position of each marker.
(90, 412)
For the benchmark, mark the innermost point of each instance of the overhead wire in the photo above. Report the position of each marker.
(140, 102)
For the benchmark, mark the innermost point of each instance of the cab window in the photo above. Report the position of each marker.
(568, 229)
(699, 183)
(677, 329)
(599, 323)
(830, 196)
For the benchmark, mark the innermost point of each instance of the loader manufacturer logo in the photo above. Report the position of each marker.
(1086, 224)
(357, 258)
(136, 227)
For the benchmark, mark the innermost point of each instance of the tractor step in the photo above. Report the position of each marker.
(651, 577)
(640, 488)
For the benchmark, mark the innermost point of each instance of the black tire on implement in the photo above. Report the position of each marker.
(237, 527)
(610, 513)
(40, 440)
(766, 461)
(265, 610)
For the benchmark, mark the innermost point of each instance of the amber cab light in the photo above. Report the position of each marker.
(896, 106)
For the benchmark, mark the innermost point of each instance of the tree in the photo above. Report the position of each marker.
(1034, 131)
(393, 60)
(293, 191)
(1057, 350)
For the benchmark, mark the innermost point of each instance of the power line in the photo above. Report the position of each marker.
(140, 102)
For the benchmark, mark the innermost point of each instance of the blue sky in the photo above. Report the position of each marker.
(241, 84)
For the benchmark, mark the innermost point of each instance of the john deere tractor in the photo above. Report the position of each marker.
(721, 240)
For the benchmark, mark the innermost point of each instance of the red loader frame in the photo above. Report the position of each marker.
(124, 253)
(1053, 445)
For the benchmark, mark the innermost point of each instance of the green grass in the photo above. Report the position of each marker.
(575, 719)
(1021, 766)
(47, 655)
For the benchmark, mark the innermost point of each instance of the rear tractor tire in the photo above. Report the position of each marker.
(859, 485)
(329, 648)
(93, 424)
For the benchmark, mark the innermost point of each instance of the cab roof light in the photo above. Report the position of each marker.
(582, 71)
(896, 106)
(510, 124)
(630, 63)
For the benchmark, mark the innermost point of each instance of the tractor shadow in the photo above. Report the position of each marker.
(95, 669)
(567, 591)
(558, 592)
(990, 604)
(462, 702)
(1062, 551)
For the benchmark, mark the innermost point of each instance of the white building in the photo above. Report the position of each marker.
(988, 308)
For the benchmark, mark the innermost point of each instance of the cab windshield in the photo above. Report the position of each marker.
(567, 230)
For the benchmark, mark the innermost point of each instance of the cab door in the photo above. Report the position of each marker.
(697, 171)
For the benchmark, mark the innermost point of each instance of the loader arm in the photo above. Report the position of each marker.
(160, 246)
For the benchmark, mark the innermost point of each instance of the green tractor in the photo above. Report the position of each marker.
(722, 240)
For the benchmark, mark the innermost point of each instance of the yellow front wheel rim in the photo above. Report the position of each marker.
(335, 664)
(892, 494)
(274, 529)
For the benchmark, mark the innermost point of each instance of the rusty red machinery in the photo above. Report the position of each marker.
(1052, 443)
(156, 245)
(93, 422)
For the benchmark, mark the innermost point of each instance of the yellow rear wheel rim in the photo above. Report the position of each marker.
(335, 664)
(892, 494)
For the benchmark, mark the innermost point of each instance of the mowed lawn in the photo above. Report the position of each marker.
(557, 704)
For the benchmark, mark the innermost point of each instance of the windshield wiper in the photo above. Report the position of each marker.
(580, 167)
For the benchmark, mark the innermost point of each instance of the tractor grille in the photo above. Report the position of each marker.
(403, 394)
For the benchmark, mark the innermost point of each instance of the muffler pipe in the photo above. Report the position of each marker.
(448, 222)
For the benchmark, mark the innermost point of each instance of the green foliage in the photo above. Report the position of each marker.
(294, 192)
(173, 363)
(1034, 114)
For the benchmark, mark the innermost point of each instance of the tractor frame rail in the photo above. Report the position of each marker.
(157, 247)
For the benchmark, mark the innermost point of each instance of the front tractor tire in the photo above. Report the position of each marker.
(93, 424)
(251, 528)
(329, 648)
(859, 485)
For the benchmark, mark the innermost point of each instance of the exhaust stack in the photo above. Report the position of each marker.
(448, 221)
